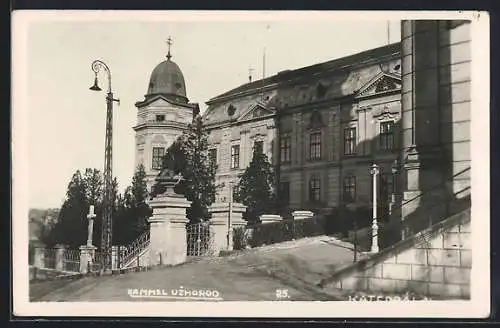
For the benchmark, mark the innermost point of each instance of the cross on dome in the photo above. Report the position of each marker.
(169, 42)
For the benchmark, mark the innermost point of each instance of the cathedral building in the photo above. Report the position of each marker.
(321, 126)
(404, 106)
(162, 116)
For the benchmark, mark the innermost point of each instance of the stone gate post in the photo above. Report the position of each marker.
(87, 254)
(168, 237)
(223, 237)
(60, 250)
(39, 257)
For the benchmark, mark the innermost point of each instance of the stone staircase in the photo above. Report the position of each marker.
(427, 253)
(136, 254)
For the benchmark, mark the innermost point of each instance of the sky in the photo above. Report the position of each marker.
(66, 121)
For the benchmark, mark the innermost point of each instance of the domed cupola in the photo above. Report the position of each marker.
(167, 80)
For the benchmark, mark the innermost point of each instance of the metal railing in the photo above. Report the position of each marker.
(71, 260)
(199, 239)
(430, 207)
(130, 252)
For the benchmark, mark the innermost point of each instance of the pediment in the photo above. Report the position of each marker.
(256, 111)
(159, 102)
(381, 84)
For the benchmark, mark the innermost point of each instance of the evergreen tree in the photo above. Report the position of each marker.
(188, 156)
(256, 187)
(136, 199)
(71, 227)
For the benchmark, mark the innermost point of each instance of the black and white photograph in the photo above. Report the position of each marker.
(250, 164)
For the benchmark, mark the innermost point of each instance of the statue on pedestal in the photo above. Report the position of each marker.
(167, 179)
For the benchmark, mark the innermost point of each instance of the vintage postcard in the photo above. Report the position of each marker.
(251, 164)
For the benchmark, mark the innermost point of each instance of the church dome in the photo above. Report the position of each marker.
(167, 80)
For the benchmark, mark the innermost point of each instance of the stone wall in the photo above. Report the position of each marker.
(436, 95)
(436, 262)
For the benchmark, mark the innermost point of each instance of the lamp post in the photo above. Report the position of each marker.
(106, 237)
(229, 217)
(394, 171)
(374, 171)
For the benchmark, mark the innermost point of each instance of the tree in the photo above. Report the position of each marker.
(83, 191)
(132, 210)
(256, 187)
(137, 200)
(71, 227)
(188, 156)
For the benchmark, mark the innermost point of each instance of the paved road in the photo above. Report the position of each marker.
(259, 275)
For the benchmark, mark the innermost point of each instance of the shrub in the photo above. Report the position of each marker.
(239, 238)
(271, 233)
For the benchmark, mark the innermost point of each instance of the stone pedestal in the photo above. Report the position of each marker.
(60, 250)
(115, 261)
(168, 238)
(300, 215)
(269, 218)
(87, 254)
(39, 260)
(220, 221)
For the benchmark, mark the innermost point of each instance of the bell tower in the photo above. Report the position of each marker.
(162, 116)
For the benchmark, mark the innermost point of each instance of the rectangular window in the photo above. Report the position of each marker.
(212, 155)
(349, 194)
(158, 153)
(160, 118)
(284, 193)
(235, 156)
(315, 146)
(315, 188)
(234, 193)
(258, 146)
(285, 149)
(387, 135)
(350, 141)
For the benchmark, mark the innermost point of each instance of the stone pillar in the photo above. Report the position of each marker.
(39, 261)
(87, 254)
(300, 215)
(114, 258)
(269, 218)
(60, 250)
(422, 156)
(220, 221)
(168, 238)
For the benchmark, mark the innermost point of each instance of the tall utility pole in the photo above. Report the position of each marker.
(388, 32)
(107, 220)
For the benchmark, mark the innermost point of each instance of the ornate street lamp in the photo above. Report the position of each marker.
(106, 237)
(229, 218)
(374, 171)
(394, 171)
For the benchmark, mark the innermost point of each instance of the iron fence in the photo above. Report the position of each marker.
(71, 260)
(97, 263)
(424, 210)
(199, 239)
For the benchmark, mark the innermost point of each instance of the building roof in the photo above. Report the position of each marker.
(347, 62)
(320, 82)
(167, 79)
